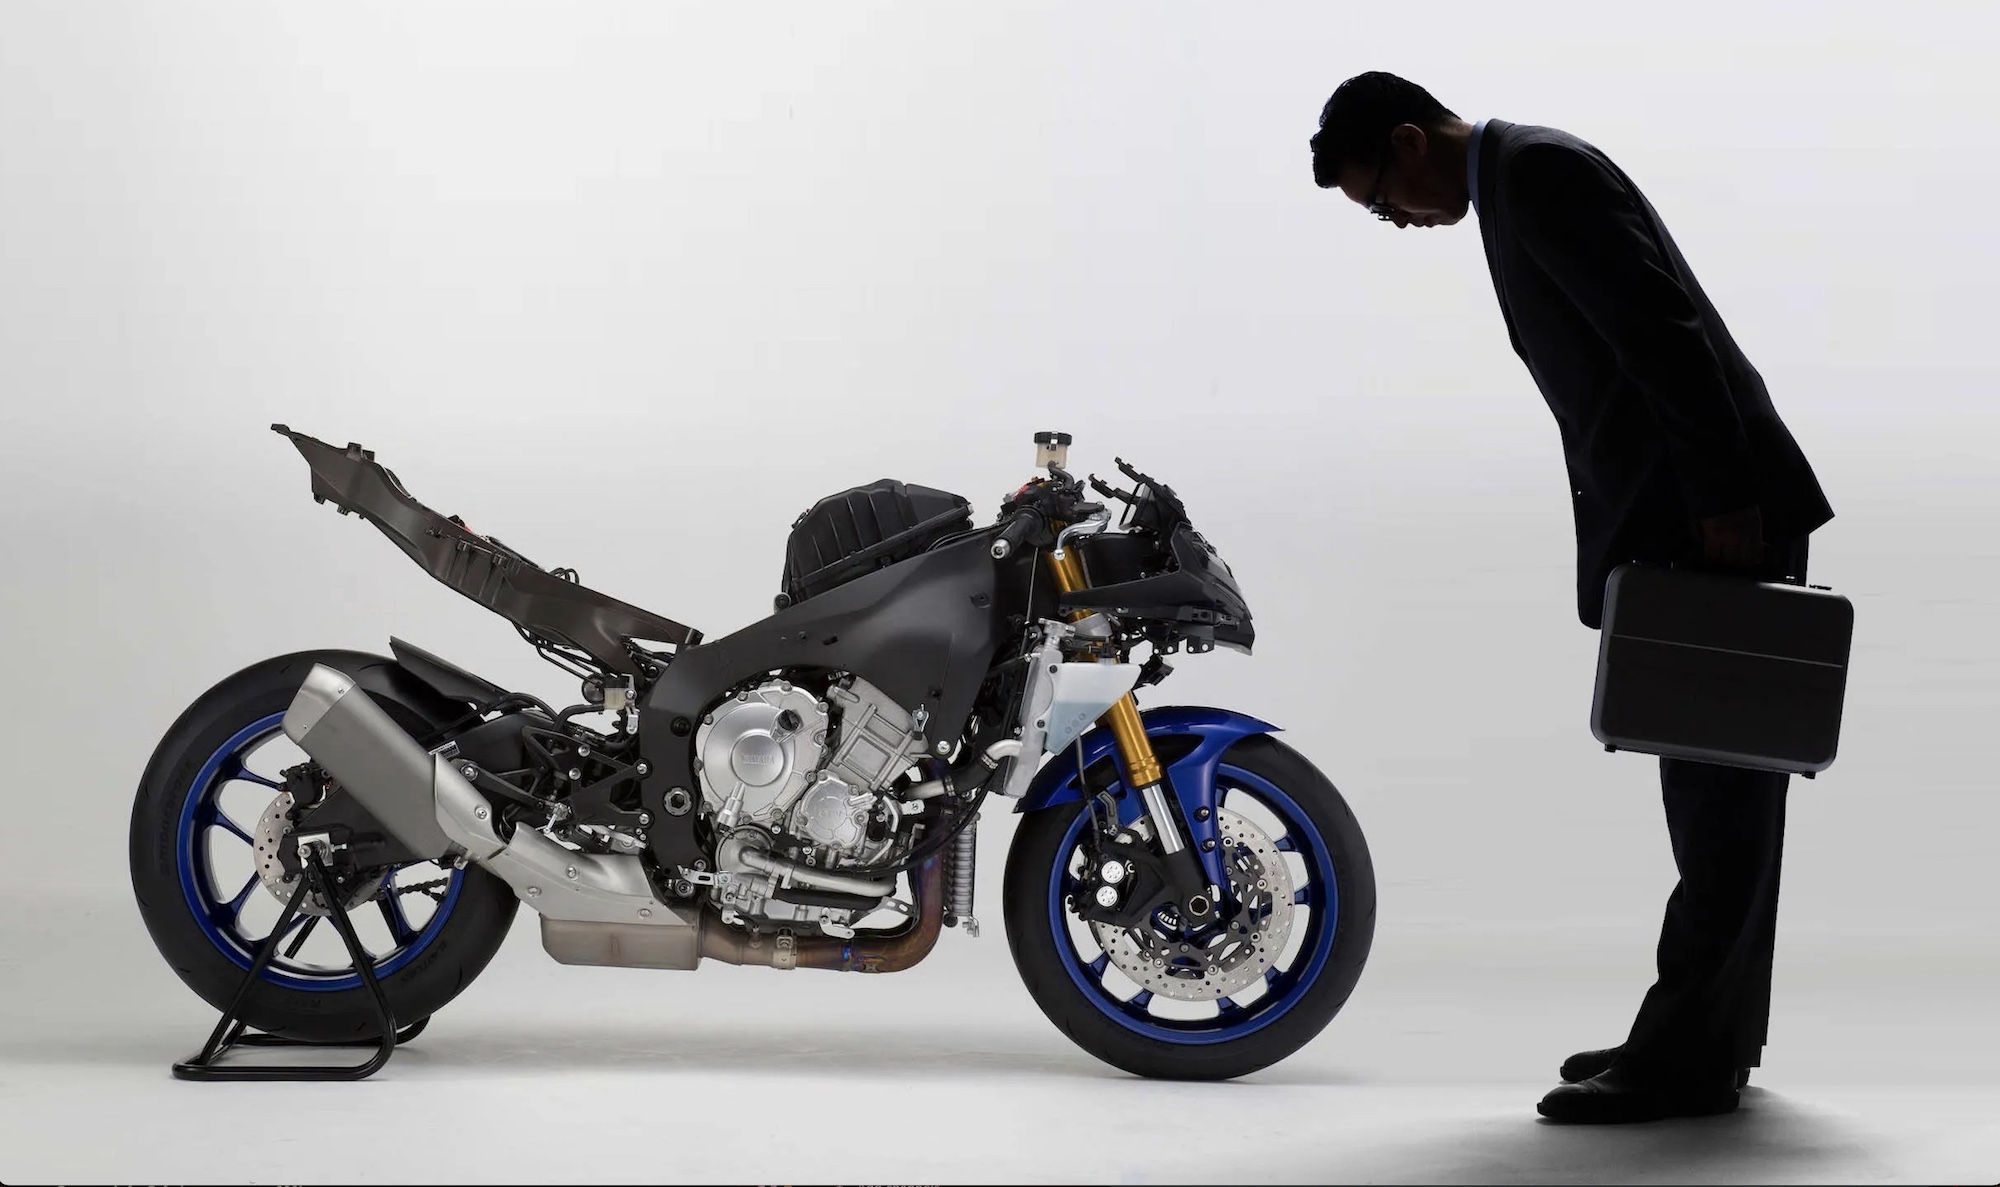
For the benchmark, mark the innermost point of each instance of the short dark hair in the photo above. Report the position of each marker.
(1354, 125)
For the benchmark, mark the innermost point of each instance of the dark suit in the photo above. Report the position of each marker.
(1663, 421)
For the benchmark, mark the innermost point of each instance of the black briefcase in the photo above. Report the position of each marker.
(1721, 668)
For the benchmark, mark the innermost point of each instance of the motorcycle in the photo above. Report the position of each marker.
(1186, 896)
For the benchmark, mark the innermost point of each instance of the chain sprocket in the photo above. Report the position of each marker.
(274, 829)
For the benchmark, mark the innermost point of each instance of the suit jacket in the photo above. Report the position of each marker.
(1663, 419)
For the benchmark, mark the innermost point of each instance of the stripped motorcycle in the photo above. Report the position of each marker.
(1186, 896)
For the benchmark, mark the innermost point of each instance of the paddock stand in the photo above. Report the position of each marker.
(228, 1032)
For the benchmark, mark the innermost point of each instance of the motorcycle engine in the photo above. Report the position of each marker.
(800, 774)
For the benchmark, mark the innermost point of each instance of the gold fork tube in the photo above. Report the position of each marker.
(1133, 744)
(1068, 572)
(1122, 719)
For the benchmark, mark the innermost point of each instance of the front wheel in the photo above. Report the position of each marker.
(1168, 1002)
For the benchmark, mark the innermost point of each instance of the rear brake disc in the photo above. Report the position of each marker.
(273, 833)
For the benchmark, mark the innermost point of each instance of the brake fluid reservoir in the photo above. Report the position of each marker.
(1052, 449)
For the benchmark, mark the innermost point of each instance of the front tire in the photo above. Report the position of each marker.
(1120, 1021)
(193, 839)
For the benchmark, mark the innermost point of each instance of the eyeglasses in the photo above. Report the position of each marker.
(1376, 205)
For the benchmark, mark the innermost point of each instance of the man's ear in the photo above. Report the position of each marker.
(1410, 138)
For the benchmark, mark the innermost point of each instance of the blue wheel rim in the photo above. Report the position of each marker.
(218, 912)
(1284, 987)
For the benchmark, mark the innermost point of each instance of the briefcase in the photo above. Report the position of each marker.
(1721, 668)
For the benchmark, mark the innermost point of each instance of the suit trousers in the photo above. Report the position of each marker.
(1709, 1010)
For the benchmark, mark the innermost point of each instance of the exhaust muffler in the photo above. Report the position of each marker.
(595, 909)
(334, 720)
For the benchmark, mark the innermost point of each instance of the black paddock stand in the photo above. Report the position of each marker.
(228, 1032)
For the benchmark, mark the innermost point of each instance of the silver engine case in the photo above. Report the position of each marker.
(764, 761)
(777, 760)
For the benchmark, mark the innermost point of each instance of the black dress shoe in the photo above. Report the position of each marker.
(1619, 1095)
(1585, 1064)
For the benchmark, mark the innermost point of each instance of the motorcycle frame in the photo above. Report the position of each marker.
(926, 631)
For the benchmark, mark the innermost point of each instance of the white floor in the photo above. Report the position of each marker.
(1880, 1072)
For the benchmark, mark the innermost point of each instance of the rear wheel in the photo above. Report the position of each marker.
(208, 823)
(1167, 1001)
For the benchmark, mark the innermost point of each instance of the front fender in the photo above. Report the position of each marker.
(1191, 777)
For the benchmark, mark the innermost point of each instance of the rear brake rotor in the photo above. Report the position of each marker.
(274, 831)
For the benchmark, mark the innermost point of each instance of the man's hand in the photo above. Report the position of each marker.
(1734, 539)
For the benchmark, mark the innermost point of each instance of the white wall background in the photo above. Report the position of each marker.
(629, 285)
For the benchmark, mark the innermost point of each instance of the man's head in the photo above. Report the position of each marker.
(1389, 146)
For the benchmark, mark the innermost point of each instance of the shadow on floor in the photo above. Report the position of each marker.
(485, 1047)
(1768, 1139)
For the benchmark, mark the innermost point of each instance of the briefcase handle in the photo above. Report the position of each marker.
(1691, 562)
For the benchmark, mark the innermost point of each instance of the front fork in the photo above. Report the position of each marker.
(1193, 896)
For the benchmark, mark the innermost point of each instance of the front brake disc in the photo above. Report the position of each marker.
(1225, 958)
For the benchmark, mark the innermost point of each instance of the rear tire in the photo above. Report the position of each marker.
(1302, 1003)
(419, 978)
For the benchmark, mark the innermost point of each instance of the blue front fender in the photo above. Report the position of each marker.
(1192, 776)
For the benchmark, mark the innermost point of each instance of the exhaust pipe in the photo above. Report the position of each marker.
(867, 952)
(595, 909)
(425, 801)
